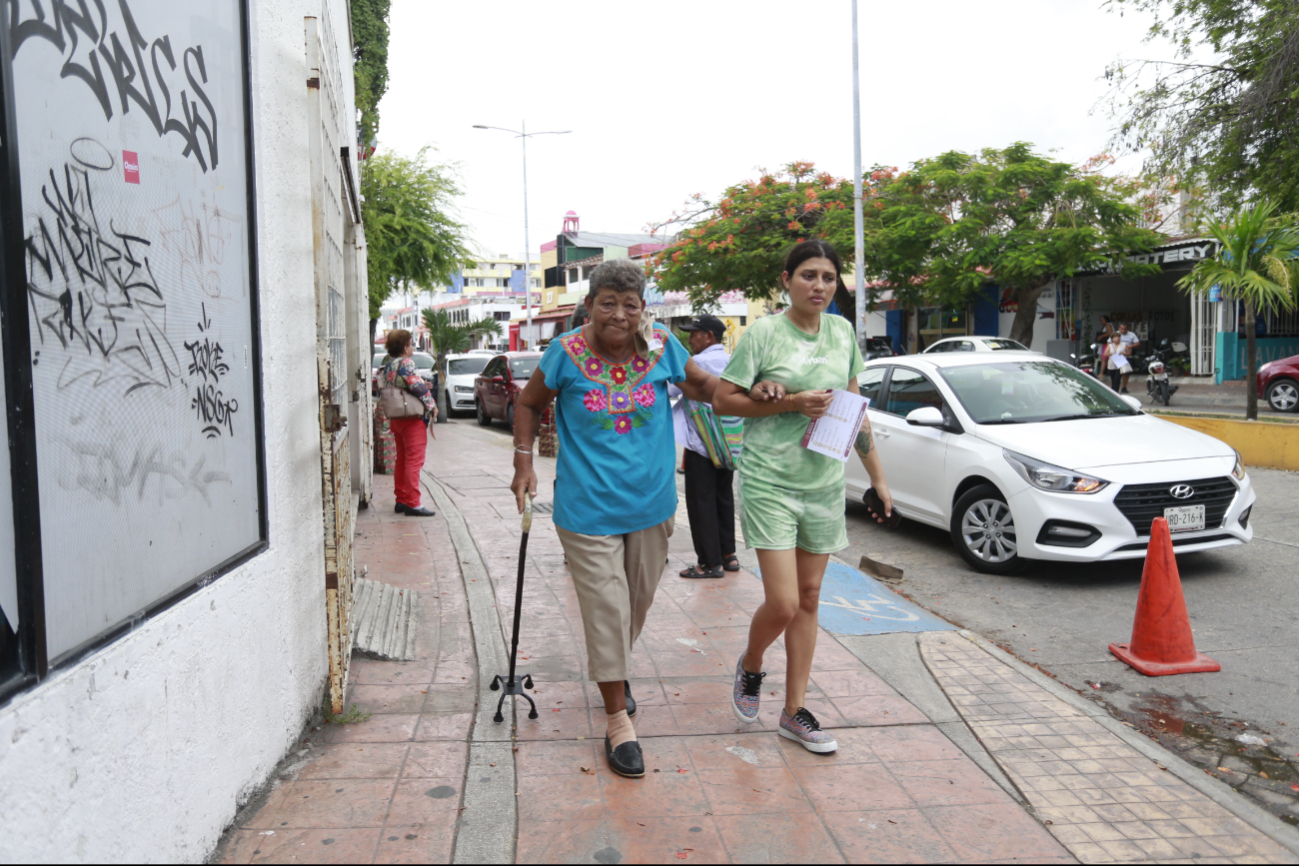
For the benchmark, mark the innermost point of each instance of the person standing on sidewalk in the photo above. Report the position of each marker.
(1130, 344)
(615, 492)
(409, 433)
(710, 500)
(792, 499)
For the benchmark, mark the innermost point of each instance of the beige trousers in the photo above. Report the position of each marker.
(615, 577)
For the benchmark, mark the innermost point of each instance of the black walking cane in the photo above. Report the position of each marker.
(511, 685)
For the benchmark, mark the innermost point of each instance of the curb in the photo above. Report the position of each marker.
(1217, 791)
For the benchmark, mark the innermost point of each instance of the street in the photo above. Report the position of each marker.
(1062, 617)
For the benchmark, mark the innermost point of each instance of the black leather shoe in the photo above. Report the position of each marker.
(631, 702)
(626, 760)
(419, 512)
(399, 508)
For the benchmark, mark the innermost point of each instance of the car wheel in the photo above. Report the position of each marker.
(483, 419)
(983, 530)
(1283, 395)
(509, 417)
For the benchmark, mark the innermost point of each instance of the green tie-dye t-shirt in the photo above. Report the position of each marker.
(772, 348)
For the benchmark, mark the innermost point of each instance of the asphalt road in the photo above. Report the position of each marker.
(1243, 605)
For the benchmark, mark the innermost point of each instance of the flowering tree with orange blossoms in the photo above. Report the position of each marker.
(739, 242)
(951, 225)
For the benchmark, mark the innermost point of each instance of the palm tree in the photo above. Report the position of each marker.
(446, 338)
(1257, 263)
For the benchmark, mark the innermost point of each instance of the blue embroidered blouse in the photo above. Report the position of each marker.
(616, 447)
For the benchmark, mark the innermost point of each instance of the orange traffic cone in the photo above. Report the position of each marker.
(1161, 632)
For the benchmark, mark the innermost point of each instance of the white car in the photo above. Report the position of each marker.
(974, 344)
(1022, 457)
(461, 372)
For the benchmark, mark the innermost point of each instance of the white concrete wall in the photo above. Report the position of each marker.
(144, 750)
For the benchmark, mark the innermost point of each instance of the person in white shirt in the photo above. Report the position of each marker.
(1130, 344)
(710, 496)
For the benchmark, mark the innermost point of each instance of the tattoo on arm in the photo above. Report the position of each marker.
(864, 443)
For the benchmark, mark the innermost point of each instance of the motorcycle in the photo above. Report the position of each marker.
(1158, 387)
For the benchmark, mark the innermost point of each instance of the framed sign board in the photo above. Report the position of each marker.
(134, 165)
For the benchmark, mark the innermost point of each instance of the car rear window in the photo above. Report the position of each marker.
(1002, 345)
(422, 362)
(467, 366)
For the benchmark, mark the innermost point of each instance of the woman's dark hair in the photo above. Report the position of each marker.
(396, 342)
(815, 249)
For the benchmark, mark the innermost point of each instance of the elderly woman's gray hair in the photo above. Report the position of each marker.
(621, 275)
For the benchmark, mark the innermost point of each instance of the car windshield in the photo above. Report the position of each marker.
(467, 366)
(1001, 345)
(379, 359)
(1022, 392)
(422, 361)
(521, 368)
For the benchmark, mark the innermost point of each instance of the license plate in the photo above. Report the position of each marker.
(1184, 518)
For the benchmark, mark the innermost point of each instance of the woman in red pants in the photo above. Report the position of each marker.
(409, 433)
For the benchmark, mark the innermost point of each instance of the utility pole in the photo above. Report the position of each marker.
(858, 238)
(527, 248)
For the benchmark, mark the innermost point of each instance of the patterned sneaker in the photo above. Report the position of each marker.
(744, 696)
(803, 728)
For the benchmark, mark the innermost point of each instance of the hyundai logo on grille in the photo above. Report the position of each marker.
(1182, 491)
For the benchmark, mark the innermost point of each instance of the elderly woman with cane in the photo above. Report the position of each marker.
(616, 495)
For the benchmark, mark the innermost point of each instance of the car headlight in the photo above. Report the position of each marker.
(1238, 471)
(1054, 478)
(462, 389)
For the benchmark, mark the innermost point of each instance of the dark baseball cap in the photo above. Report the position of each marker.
(707, 323)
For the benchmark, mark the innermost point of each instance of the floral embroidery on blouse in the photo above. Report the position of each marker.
(402, 373)
(619, 401)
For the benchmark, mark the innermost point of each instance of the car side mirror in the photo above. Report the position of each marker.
(1131, 401)
(498, 379)
(926, 416)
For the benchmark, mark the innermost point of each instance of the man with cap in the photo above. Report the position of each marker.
(710, 497)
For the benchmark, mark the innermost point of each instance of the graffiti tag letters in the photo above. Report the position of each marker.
(213, 409)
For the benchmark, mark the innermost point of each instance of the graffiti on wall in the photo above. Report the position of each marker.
(124, 69)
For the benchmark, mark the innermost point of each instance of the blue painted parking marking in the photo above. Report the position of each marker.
(854, 603)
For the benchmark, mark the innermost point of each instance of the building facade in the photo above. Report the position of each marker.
(184, 324)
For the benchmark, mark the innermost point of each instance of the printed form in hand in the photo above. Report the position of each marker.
(835, 432)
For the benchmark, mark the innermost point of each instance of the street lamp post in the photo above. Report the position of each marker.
(858, 241)
(524, 135)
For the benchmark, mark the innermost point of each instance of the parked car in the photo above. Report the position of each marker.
(1022, 457)
(879, 347)
(497, 388)
(1278, 382)
(462, 370)
(424, 365)
(974, 344)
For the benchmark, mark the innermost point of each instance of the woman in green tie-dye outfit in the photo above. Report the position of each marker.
(792, 509)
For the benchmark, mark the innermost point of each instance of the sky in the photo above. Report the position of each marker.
(670, 98)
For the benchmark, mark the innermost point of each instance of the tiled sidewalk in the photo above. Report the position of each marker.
(386, 790)
(1105, 800)
(897, 789)
(390, 789)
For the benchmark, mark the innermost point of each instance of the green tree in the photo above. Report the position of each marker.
(370, 62)
(1229, 125)
(446, 338)
(951, 225)
(739, 242)
(410, 233)
(1257, 263)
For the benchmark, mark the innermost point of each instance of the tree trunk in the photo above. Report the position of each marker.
(1021, 329)
(1251, 363)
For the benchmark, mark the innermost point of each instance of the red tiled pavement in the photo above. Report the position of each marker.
(714, 791)
(388, 789)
